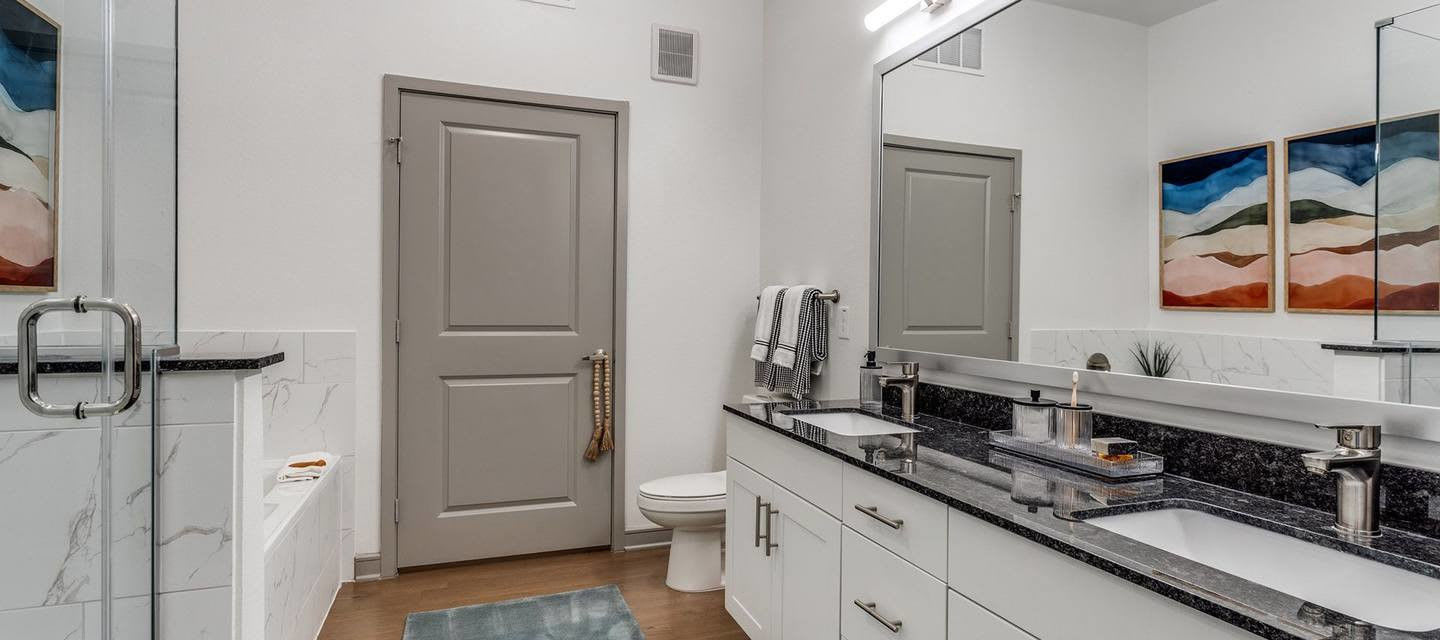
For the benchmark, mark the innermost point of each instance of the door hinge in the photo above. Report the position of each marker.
(1010, 330)
(397, 140)
(397, 511)
(1015, 203)
(397, 331)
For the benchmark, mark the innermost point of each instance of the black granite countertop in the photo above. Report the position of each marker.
(1049, 505)
(90, 363)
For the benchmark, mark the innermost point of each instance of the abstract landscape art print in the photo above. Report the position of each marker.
(1216, 242)
(1330, 227)
(1408, 223)
(30, 90)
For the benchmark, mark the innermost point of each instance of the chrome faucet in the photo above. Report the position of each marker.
(907, 381)
(1355, 462)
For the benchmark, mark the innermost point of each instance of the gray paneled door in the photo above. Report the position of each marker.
(947, 239)
(507, 260)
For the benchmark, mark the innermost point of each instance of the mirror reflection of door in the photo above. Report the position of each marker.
(947, 248)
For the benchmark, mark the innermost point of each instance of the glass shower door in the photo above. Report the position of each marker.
(1407, 189)
(87, 156)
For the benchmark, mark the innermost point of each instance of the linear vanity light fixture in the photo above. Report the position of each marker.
(892, 9)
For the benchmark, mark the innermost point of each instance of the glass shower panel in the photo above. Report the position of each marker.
(144, 161)
(1407, 191)
(88, 139)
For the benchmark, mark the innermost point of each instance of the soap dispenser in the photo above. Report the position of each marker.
(872, 395)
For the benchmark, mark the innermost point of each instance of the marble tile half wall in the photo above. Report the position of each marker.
(309, 401)
(51, 537)
(1248, 361)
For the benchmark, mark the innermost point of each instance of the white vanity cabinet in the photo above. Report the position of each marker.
(858, 557)
(782, 552)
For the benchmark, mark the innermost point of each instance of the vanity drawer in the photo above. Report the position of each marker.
(899, 592)
(1053, 596)
(807, 473)
(917, 525)
(970, 621)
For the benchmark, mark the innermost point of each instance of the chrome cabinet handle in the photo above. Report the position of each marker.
(869, 607)
(770, 544)
(874, 512)
(28, 355)
(758, 506)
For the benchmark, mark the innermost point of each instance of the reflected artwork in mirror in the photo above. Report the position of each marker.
(1092, 183)
(1215, 236)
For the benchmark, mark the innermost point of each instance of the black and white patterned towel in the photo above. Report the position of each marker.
(811, 349)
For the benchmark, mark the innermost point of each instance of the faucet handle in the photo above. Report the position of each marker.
(1362, 436)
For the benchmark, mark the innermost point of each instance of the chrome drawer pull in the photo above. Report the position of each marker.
(758, 506)
(869, 607)
(874, 512)
(770, 529)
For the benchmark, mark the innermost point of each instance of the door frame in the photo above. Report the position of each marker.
(393, 86)
(955, 148)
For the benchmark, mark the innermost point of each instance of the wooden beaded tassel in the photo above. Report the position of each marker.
(607, 439)
(597, 370)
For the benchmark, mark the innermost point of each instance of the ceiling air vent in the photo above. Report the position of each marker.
(674, 55)
(963, 53)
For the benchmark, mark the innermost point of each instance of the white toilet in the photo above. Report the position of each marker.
(693, 506)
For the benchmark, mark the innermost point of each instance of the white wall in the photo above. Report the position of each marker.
(1068, 89)
(1286, 67)
(280, 184)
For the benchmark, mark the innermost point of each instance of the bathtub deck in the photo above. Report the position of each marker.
(376, 610)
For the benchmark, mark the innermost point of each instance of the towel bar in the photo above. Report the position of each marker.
(833, 296)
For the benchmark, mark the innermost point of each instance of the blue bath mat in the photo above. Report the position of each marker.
(588, 614)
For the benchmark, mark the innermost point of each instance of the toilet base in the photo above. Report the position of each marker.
(695, 561)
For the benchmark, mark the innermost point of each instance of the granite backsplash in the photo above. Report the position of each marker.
(1409, 498)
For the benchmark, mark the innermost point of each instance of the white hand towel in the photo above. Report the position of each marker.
(306, 466)
(790, 309)
(765, 324)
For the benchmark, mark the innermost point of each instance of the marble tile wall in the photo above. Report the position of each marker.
(1423, 375)
(50, 487)
(1266, 363)
(309, 401)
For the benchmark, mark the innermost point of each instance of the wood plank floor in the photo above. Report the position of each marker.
(376, 610)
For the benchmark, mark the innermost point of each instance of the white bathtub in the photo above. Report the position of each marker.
(302, 553)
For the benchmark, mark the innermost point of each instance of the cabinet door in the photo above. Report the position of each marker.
(748, 572)
(806, 585)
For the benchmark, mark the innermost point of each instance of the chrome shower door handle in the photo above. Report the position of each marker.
(28, 358)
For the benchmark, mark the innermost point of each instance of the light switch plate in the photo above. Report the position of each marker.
(842, 328)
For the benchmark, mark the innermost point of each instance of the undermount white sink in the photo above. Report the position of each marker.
(852, 424)
(1363, 589)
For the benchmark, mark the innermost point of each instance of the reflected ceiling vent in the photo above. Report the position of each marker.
(675, 55)
(964, 53)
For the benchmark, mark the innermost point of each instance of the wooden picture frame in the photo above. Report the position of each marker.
(1373, 141)
(1170, 300)
(50, 277)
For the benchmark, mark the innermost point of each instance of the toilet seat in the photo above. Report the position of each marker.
(691, 493)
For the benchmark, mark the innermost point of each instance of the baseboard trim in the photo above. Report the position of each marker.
(646, 538)
(367, 567)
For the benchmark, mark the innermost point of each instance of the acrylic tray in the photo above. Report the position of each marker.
(1143, 464)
